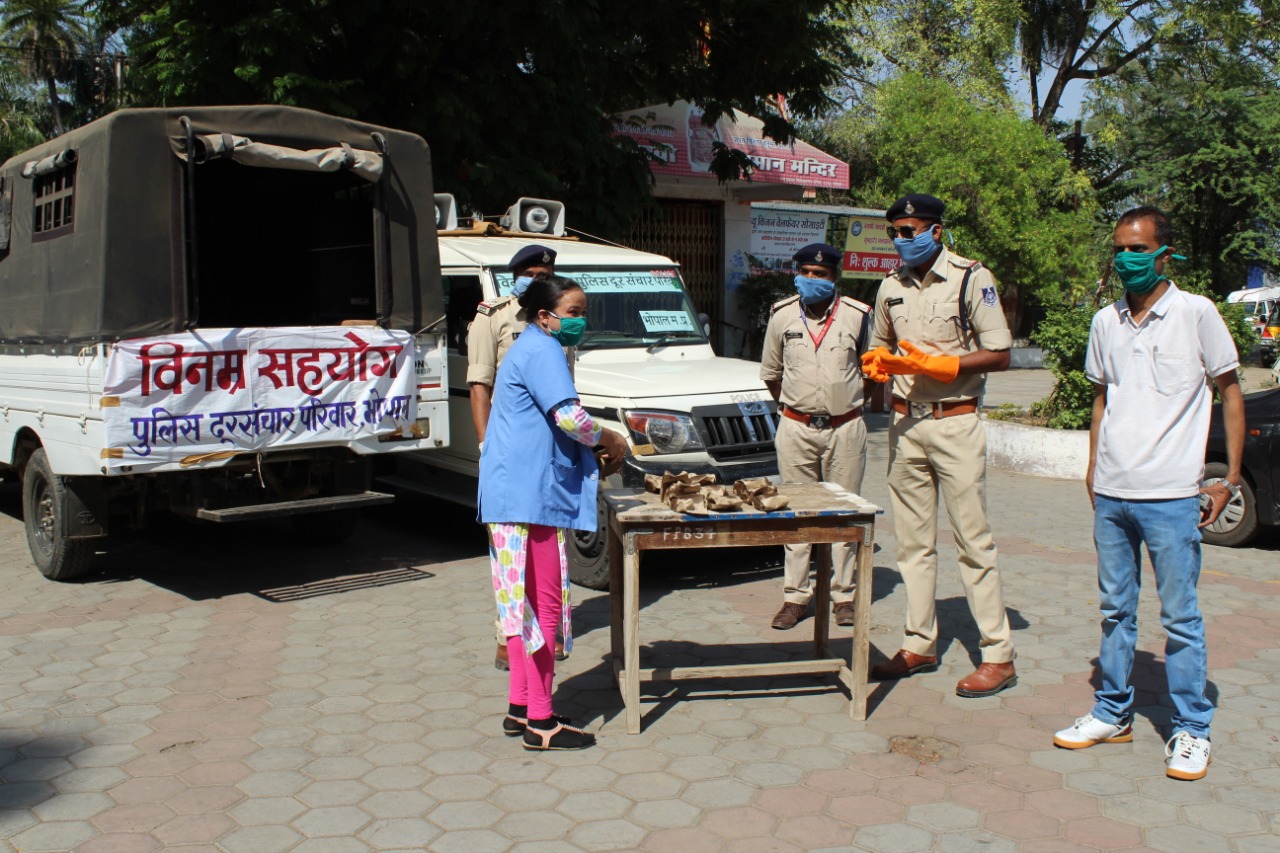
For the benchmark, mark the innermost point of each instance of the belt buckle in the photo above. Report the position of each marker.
(819, 421)
(920, 410)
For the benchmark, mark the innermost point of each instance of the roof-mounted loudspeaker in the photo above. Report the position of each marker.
(446, 212)
(535, 216)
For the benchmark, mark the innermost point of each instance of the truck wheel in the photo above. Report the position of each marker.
(44, 500)
(588, 563)
(1238, 523)
(326, 528)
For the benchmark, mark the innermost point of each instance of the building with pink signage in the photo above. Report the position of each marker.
(706, 225)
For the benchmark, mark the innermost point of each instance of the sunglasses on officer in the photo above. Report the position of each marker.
(906, 232)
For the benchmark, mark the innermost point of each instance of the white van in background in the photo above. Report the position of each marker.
(645, 368)
(1258, 302)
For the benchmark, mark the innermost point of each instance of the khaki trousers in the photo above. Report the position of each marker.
(808, 455)
(950, 454)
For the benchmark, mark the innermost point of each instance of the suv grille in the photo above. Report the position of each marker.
(732, 432)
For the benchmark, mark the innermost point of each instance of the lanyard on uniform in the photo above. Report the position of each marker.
(817, 339)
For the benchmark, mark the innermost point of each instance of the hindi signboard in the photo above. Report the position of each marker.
(169, 398)
(681, 145)
(868, 250)
(776, 235)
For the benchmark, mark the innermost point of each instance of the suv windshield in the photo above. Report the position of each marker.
(631, 307)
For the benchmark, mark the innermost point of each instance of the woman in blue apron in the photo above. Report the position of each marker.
(538, 478)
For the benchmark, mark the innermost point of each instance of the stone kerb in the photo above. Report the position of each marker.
(1038, 451)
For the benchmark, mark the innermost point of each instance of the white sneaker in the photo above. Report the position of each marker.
(1089, 730)
(1187, 756)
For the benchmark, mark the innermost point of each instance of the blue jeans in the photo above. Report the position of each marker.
(1173, 543)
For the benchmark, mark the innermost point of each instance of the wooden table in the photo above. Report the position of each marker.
(818, 514)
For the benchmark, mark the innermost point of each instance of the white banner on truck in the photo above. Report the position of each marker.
(169, 398)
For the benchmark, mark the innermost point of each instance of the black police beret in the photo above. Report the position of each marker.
(532, 256)
(919, 205)
(818, 253)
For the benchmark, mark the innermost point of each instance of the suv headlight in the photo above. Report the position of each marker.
(668, 432)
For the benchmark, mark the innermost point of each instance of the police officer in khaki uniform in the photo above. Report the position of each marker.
(811, 366)
(938, 331)
(495, 328)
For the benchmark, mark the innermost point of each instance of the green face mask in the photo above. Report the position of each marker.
(571, 331)
(1137, 270)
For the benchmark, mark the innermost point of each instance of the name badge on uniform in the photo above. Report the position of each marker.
(787, 336)
(897, 300)
(989, 297)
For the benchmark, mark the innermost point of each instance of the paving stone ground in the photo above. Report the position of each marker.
(229, 689)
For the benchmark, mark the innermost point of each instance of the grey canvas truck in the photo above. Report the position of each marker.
(216, 311)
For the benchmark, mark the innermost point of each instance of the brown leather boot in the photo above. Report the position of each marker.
(902, 664)
(500, 660)
(791, 613)
(987, 680)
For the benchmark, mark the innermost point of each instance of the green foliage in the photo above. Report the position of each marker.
(1203, 142)
(1064, 336)
(1004, 412)
(966, 44)
(46, 35)
(513, 101)
(1013, 200)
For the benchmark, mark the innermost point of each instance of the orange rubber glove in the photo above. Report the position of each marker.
(943, 368)
(871, 365)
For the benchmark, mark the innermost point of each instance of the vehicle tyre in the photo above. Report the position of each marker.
(585, 551)
(44, 500)
(1238, 523)
(326, 528)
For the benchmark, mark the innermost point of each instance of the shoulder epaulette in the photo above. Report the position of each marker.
(487, 308)
(853, 303)
(782, 302)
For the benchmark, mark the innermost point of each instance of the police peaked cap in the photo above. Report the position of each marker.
(532, 256)
(820, 254)
(917, 205)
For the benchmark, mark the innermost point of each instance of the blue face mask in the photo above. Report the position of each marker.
(916, 250)
(521, 285)
(814, 290)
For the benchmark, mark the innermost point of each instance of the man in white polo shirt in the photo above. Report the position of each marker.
(1150, 357)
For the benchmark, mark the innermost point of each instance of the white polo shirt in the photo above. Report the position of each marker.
(1157, 374)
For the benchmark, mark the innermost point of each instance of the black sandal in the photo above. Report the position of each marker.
(512, 726)
(561, 737)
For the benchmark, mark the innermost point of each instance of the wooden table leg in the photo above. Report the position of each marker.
(862, 624)
(822, 598)
(631, 634)
(613, 553)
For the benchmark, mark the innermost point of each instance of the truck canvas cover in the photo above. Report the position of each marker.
(115, 258)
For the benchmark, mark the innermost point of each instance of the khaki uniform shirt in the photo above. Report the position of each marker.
(927, 313)
(816, 379)
(495, 328)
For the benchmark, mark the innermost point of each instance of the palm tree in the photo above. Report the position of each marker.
(47, 32)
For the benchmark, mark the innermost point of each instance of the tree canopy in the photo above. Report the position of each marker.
(514, 99)
(1013, 199)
